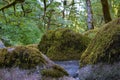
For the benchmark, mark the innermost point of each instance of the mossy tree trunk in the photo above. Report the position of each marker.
(90, 15)
(106, 12)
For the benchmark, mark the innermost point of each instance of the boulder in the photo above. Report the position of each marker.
(28, 58)
(63, 44)
(91, 33)
(33, 46)
(20, 56)
(105, 47)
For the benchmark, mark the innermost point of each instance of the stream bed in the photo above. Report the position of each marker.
(70, 66)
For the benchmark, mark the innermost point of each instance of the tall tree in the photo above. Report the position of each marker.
(64, 6)
(90, 15)
(106, 12)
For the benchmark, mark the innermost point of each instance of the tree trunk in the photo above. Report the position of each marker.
(90, 15)
(64, 6)
(118, 13)
(106, 12)
(44, 12)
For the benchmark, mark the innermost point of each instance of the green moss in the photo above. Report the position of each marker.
(63, 44)
(91, 33)
(105, 47)
(23, 57)
(3, 52)
(55, 72)
(32, 46)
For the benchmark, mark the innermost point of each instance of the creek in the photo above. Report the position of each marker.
(70, 66)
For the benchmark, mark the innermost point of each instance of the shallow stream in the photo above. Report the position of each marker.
(70, 66)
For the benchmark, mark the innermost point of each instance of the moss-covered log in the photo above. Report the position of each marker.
(63, 44)
(105, 47)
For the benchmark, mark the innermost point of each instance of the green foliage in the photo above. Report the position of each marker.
(17, 29)
(105, 46)
(20, 30)
(63, 44)
(23, 34)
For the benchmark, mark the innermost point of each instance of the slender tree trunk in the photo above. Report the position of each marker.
(45, 7)
(64, 5)
(106, 12)
(118, 13)
(90, 15)
(72, 5)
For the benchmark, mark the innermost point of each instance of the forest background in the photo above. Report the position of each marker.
(24, 22)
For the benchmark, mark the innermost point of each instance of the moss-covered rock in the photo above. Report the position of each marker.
(105, 47)
(63, 44)
(54, 72)
(91, 33)
(20, 56)
(33, 46)
(28, 58)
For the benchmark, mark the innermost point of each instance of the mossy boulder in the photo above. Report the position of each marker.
(91, 33)
(63, 44)
(105, 47)
(54, 72)
(20, 56)
(28, 58)
(33, 46)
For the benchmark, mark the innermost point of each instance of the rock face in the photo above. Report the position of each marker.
(105, 47)
(28, 58)
(63, 44)
(2, 44)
